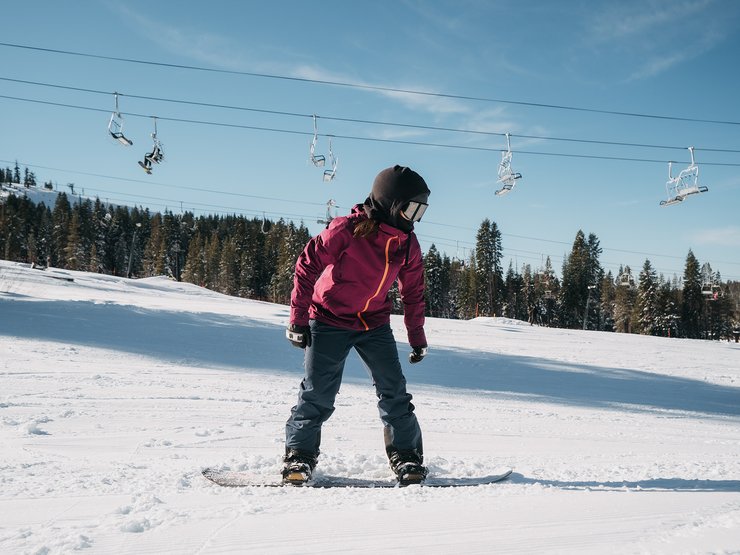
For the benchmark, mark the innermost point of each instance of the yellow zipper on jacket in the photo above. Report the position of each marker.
(382, 280)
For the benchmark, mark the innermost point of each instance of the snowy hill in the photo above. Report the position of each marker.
(38, 194)
(115, 393)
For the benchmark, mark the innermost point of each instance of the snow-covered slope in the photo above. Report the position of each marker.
(114, 393)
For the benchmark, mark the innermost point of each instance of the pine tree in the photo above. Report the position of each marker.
(100, 220)
(547, 291)
(153, 261)
(668, 309)
(595, 277)
(530, 305)
(488, 254)
(61, 217)
(228, 278)
(195, 266)
(625, 298)
(692, 301)
(647, 313)
(607, 301)
(294, 240)
(467, 290)
(514, 295)
(44, 236)
(252, 248)
(74, 252)
(448, 308)
(574, 292)
(433, 280)
(213, 260)
(581, 287)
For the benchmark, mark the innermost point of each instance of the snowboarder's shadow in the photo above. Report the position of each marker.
(653, 484)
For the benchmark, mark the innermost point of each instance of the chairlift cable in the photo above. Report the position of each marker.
(367, 139)
(365, 121)
(367, 86)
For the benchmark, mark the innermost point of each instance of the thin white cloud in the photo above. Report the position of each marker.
(625, 19)
(421, 102)
(656, 35)
(223, 53)
(728, 236)
(205, 48)
(658, 65)
(665, 58)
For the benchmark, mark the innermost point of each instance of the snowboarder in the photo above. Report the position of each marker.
(339, 302)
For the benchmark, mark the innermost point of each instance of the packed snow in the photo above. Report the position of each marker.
(116, 393)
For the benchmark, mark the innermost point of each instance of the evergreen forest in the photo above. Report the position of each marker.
(255, 258)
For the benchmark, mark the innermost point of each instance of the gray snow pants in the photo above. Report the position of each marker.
(324, 364)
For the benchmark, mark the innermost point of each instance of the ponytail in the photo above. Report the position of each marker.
(366, 228)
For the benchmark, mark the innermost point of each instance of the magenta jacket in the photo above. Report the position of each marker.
(343, 280)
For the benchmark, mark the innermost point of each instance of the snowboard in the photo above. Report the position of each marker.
(237, 479)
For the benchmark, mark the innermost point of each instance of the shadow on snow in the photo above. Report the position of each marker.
(240, 343)
(657, 484)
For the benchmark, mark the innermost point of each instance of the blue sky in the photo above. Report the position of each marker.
(678, 59)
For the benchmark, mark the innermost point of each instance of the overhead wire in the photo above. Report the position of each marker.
(361, 138)
(361, 121)
(378, 88)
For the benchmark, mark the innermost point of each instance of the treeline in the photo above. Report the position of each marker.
(696, 305)
(255, 258)
(251, 258)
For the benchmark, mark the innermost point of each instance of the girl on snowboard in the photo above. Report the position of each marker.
(339, 302)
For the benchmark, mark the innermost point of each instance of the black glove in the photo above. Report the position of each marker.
(299, 336)
(417, 354)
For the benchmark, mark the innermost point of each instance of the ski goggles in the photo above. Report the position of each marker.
(414, 210)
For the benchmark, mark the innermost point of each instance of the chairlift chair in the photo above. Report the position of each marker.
(331, 174)
(506, 176)
(156, 156)
(318, 160)
(115, 126)
(684, 184)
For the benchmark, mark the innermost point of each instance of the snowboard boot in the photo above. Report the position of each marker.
(407, 466)
(298, 466)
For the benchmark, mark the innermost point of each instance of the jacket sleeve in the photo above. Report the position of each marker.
(411, 287)
(320, 252)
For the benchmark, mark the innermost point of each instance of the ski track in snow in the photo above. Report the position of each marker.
(115, 393)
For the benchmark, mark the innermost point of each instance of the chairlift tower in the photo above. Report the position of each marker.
(330, 208)
(585, 311)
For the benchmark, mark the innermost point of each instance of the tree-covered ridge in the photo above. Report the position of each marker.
(255, 258)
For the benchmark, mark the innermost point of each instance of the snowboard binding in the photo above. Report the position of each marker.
(408, 467)
(298, 467)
